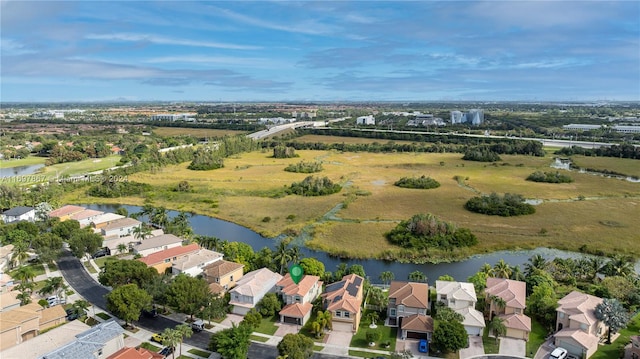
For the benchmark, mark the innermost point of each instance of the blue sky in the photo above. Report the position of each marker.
(320, 51)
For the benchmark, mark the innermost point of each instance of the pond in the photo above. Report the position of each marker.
(461, 270)
(19, 170)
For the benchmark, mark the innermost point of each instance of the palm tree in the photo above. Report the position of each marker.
(282, 256)
(487, 269)
(324, 318)
(171, 337)
(122, 248)
(417, 276)
(295, 254)
(80, 307)
(620, 266)
(595, 265)
(499, 303)
(24, 297)
(502, 269)
(497, 327)
(24, 274)
(535, 262)
(386, 277)
(52, 285)
(517, 274)
(159, 217)
(141, 232)
(185, 331)
(20, 253)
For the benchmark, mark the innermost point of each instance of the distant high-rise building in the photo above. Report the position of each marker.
(457, 117)
(475, 117)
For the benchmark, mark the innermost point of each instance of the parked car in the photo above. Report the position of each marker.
(71, 314)
(198, 325)
(150, 313)
(102, 252)
(166, 351)
(423, 346)
(157, 338)
(558, 353)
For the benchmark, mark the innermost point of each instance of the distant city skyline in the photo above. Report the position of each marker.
(340, 51)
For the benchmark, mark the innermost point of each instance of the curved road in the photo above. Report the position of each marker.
(80, 280)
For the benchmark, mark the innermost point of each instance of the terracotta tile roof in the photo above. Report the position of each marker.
(159, 257)
(53, 313)
(216, 288)
(418, 323)
(85, 214)
(302, 288)
(121, 223)
(296, 310)
(512, 291)
(457, 290)
(344, 295)
(66, 210)
(579, 307)
(585, 340)
(517, 321)
(133, 353)
(221, 268)
(410, 294)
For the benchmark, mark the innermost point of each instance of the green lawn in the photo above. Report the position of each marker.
(80, 167)
(267, 326)
(150, 346)
(357, 353)
(200, 353)
(90, 267)
(536, 337)
(52, 267)
(613, 350)
(31, 160)
(388, 334)
(258, 338)
(491, 346)
(103, 315)
(38, 269)
(102, 260)
(317, 348)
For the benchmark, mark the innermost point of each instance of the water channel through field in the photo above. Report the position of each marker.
(461, 270)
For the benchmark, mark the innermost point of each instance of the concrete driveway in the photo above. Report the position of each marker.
(510, 346)
(284, 329)
(475, 347)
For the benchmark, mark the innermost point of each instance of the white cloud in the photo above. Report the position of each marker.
(162, 40)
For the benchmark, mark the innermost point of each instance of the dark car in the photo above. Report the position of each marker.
(167, 351)
(150, 313)
(102, 252)
(71, 315)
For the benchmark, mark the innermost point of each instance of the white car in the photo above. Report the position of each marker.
(559, 353)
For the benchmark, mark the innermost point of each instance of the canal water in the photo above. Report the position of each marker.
(461, 270)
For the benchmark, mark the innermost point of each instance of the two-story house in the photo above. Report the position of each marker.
(298, 298)
(344, 299)
(578, 329)
(461, 297)
(251, 288)
(65, 212)
(85, 217)
(102, 220)
(408, 304)
(194, 263)
(222, 275)
(506, 298)
(120, 228)
(99, 342)
(157, 244)
(17, 214)
(164, 259)
(23, 323)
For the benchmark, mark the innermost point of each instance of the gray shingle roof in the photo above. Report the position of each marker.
(89, 342)
(17, 211)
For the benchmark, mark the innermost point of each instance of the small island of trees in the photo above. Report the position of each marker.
(304, 167)
(481, 155)
(494, 205)
(314, 186)
(427, 231)
(421, 182)
(549, 177)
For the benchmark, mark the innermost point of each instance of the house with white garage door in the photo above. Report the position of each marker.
(461, 297)
(298, 298)
(578, 329)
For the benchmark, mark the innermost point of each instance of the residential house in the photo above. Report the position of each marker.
(163, 260)
(130, 241)
(23, 323)
(85, 217)
(506, 298)
(408, 304)
(9, 301)
(17, 214)
(99, 342)
(44, 343)
(193, 263)
(120, 228)
(251, 288)
(102, 220)
(65, 212)
(344, 300)
(6, 283)
(578, 329)
(156, 244)
(298, 298)
(135, 353)
(461, 297)
(5, 257)
(222, 275)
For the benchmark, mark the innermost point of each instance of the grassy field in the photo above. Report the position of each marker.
(340, 139)
(613, 350)
(195, 132)
(84, 166)
(593, 212)
(31, 160)
(536, 337)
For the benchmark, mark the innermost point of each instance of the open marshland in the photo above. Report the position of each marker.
(593, 213)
